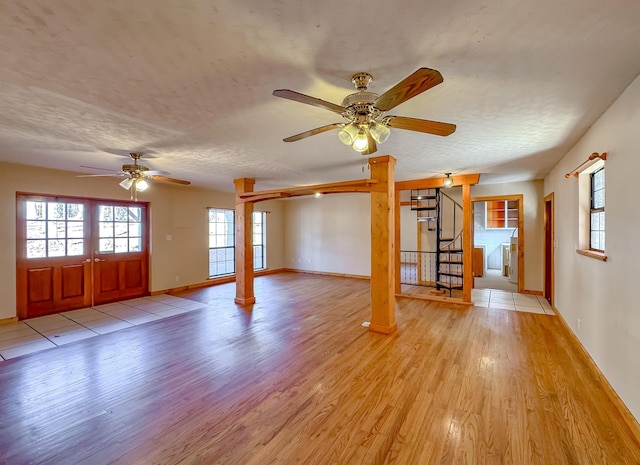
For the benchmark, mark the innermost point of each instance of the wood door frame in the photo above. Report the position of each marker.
(549, 221)
(520, 199)
(90, 244)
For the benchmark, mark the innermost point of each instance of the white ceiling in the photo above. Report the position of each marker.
(190, 83)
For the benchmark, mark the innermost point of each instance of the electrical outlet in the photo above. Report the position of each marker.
(177, 278)
(579, 324)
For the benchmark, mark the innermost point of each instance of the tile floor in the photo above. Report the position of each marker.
(49, 331)
(504, 300)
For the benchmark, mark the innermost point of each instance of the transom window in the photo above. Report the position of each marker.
(54, 229)
(597, 232)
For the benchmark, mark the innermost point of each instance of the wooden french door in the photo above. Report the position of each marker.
(75, 252)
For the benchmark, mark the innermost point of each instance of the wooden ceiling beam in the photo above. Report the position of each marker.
(360, 185)
(430, 183)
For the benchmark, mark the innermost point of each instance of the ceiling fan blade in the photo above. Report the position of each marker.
(155, 173)
(156, 177)
(113, 175)
(414, 84)
(313, 132)
(371, 145)
(420, 125)
(302, 98)
(96, 168)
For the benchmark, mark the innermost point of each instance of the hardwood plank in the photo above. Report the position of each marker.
(281, 383)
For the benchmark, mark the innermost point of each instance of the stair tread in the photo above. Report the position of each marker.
(454, 262)
(449, 273)
(451, 250)
(419, 209)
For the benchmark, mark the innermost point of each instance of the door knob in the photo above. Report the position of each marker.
(88, 260)
(98, 260)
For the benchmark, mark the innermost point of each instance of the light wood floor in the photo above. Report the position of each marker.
(299, 380)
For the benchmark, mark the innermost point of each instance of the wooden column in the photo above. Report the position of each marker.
(467, 266)
(244, 243)
(383, 318)
(397, 240)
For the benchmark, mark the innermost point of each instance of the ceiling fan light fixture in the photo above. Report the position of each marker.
(447, 181)
(126, 183)
(379, 132)
(348, 134)
(361, 142)
(141, 185)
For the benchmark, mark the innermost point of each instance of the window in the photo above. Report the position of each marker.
(259, 240)
(221, 242)
(119, 229)
(596, 236)
(54, 229)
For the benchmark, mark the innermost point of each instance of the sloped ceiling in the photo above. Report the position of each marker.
(189, 83)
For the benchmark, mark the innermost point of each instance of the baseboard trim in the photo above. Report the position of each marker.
(631, 421)
(215, 281)
(327, 273)
(527, 291)
(8, 321)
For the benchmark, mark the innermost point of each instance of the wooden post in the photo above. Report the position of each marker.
(383, 318)
(467, 265)
(398, 285)
(244, 243)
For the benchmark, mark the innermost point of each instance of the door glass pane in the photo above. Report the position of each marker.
(105, 213)
(36, 249)
(122, 245)
(121, 229)
(36, 210)
(121, 214)
(75, 229)
(135, 230)
(56, 229)
(106, 229)
(56, 211)
(106, 245)
(135, 244)
(36, 230)
(75, 211)
(56, 248)
(75, 247)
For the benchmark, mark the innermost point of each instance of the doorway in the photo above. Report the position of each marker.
(549, 247)
(498, 238)
(76, 252)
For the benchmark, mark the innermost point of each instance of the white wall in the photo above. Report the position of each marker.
(603, 295)
(533, 224)
(331, 234)
(180, 212)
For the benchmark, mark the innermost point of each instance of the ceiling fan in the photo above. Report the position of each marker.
(365, 125)
(136, 176)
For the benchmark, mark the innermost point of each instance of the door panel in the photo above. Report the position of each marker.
(120, 258)
(73, 253)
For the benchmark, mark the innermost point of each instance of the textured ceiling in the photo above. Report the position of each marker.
(189, 83)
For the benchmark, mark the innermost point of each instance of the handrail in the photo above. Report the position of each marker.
(585, 164)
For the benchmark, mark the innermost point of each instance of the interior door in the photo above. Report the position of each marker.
(74, 253)
(120, 258)
(52, 255)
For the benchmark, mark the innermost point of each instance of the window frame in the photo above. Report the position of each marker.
(597, 210)
(229, 250)
(258, 265)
